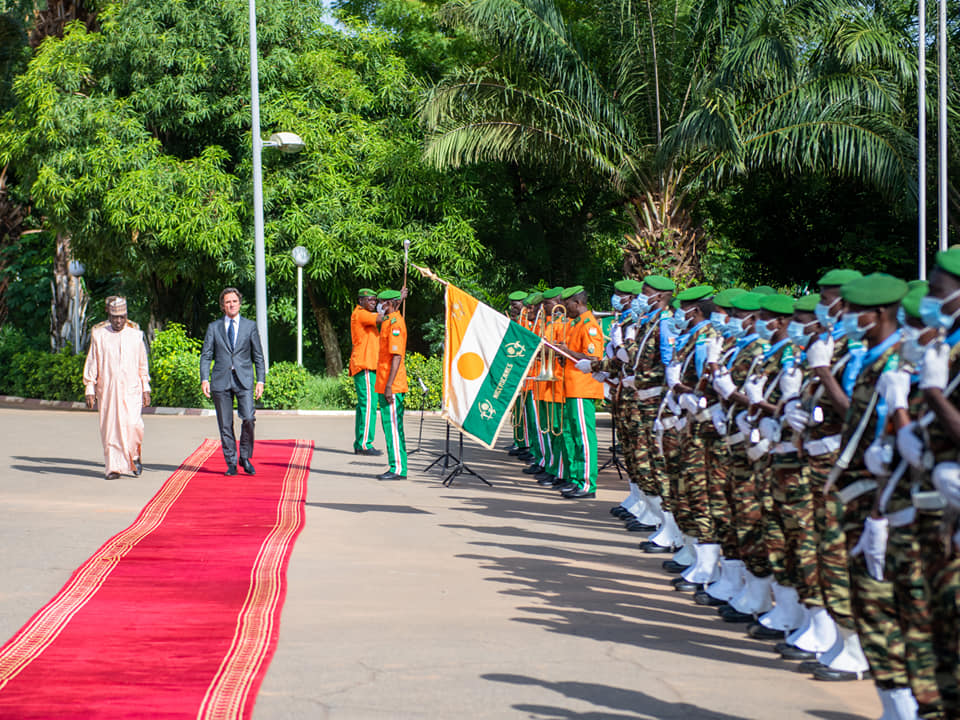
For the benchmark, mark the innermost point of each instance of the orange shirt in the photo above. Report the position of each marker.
(366, 344)
(556, 333)
(584, 335)
(393, 341)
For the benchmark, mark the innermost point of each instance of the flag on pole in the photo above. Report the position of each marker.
(485, 361)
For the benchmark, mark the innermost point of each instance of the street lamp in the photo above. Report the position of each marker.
(76, 270)
(301, 256)
(285, 142)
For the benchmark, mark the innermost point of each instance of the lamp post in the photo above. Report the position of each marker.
(76, 270)
(301, 256)
(285, 142)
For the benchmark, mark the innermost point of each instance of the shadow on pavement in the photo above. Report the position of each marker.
(348, 507)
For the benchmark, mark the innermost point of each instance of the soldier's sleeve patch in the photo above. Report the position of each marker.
(592, 332)
(591, 348)
(396, 332)
(393, 321)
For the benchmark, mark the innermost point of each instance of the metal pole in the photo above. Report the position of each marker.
(299, 316)
(942, 126)
(922, 141)
(259, 253)
(76, 315)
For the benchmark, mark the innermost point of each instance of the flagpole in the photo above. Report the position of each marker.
(406, 261)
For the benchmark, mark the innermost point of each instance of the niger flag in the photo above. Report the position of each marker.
(485, 360)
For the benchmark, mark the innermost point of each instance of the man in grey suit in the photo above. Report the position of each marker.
(232, 343)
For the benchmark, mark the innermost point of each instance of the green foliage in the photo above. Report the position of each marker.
(346, 391)
(285, 386)
(175, 379)
(326, 393)
(48, 376)
(430, 370)
(173, 339)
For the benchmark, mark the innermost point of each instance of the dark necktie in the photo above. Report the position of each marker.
(233, 334)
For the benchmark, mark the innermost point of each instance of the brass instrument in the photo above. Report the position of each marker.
(554, 333)
(520, 407)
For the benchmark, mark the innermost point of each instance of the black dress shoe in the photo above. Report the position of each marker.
(137, 468)
(735, 616)
(762, 632)
(532, 469)
(543, 475)
(705, 598)
(112, 476)
(654, 549)
(547, 481)
(567, 487)
(247, 466)
(825, 673)
(616, 510)
(794, 653)
(686, 586)
(580, 494)
(390, 475)
(368, 451)
(637, 526)
(672, 566)
(231, 470)
(558, 483)
(515, 451)
(526, 456)
(808, 666)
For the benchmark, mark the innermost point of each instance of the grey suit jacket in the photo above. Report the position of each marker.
(246, 354)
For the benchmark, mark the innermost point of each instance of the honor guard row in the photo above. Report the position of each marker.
(800, 457)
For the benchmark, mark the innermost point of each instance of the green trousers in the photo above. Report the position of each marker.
(365, 426)
(391, 419)
(535, 439)
(580, 439)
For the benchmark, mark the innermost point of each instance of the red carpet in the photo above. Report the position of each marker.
(178, 615)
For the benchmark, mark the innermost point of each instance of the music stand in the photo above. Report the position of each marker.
(614, 459)
(446, 456)
(423, 406)
(462, 467)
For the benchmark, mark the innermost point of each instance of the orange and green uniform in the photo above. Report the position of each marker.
(363, 370)
(393, 341)
(581, 393)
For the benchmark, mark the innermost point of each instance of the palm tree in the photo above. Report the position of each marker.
(695, 92)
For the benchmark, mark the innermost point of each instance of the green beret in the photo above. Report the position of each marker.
(551, 293)
(659, 282)
(914, 284)
(874, 290)
(698, 292)
(528, 300)
(366, 292)
(911, 301)
(724, 298)
(517, 296)
(629, 287)
(747, 301)
(949, 260)
(571, 291)
(675, 304)
(839, 277)
(807, 303)
(780, 304)
(764, 290)
(535, 298)
(389, 295)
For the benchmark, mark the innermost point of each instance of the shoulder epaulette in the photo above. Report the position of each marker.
(100, 324)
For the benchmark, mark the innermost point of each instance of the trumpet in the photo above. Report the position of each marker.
(554, 332)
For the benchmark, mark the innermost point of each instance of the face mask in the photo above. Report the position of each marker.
(617, 302)
(735, 327)
(640, 304)
(380, 308)
(851, 326)
(911, 349)
(797, 332)
(931, 311)
(719, 322)
(764, 330)
(680, 322)
(823, 314)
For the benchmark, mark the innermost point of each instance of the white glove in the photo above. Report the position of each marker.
(714, 347)
(820, 353)
(719, 419)
(672, 404)
(584, 365)
(622, 355)
(935, 366)
(873, 545)
(690, 403)
(608, 351)
(616, 335)
(946, 479)
(743, 422)
(672, 374)
(770, 429)
(723, 384)
(790, 382)
(894, 386)
(600, 376)
(877, 458)
(795, 416)
(630, 381)
(910, 446)
(753, 388)
(681, 424)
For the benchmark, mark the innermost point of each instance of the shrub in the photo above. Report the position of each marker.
(347, 392)
(325, 393)
(285, 386)
(172, 340)
(45, 375)
(175, 379)
(430, 370)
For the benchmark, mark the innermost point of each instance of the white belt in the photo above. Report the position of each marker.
(902, 517)
(735, 439)
(855, 490)
(649, 393)
(928, 500)
(707, 414)
(828, 444)
(782, 448)
(668, 422)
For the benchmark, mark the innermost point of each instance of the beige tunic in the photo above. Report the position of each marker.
(117, 372)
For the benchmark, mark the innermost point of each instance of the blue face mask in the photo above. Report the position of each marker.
(851, 326)
(931, 311)
(680, 322)
(911, 349)
(617, 302)
(823, 314)
(797, 332)
(640, 304)
(764, 330)
(719, 322)
(735, 327)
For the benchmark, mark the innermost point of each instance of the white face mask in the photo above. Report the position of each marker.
(911, 348)
(380, 308)
(823, 313)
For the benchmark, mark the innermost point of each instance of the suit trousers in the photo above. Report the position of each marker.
(223, 403)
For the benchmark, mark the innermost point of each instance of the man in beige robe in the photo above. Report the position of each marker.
(116, 378)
